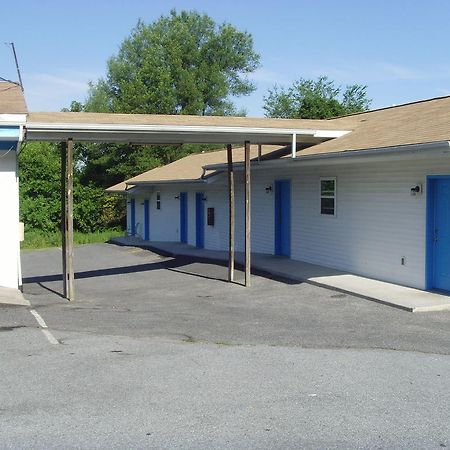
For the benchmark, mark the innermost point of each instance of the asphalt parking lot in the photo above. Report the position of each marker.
(162, 353)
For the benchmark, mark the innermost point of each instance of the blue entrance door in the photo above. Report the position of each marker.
(441, 234)
(183, 217)
(199, 220)
(283, 217)
(146, 220)
(133, 217)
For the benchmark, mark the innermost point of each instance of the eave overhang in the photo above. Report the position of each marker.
(173, 134)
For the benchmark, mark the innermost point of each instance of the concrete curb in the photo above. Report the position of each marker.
(404, 298)
(10, 296)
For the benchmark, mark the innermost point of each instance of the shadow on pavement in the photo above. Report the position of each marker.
(176, 264)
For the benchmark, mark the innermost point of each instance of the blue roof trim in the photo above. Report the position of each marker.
(9, 133)
(8, 145)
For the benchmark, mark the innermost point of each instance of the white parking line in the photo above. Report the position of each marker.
(44, 327)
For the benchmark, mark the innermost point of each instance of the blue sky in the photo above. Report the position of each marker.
(398, 48)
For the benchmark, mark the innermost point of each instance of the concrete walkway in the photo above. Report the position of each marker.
(409, 299)
(10, 296)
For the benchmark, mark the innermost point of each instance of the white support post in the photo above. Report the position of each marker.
(294, 145)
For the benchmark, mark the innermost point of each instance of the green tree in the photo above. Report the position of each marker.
(40, 194)
(315, 99)
(183, 63)
(40, 186)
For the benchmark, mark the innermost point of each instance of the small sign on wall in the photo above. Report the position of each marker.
(210, 216)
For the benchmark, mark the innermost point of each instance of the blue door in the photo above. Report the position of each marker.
(146, 220)
(283, 217)
(183, 217)
(199, 220)
(133, 216)
(440, 234)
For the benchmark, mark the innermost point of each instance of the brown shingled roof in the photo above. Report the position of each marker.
(343, 123)
(190, 168)
(413, 123)
(12, 100)
(117, 188)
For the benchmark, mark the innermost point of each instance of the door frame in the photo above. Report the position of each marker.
(184, 217)
(277, 240)
(430, 219)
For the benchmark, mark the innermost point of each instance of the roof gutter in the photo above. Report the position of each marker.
(151, 183)
(407, 148)
(97, 127)
(399, 150)
(170, 134)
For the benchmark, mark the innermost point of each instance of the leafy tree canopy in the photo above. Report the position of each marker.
(315, 99)
(183, 63)
(40, 205)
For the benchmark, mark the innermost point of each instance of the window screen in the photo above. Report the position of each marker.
(158, 200)
(328, 196)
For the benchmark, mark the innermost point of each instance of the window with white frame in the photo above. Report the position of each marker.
(328, 196)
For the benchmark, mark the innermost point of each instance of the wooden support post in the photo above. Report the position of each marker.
(247, 214)
(67, 219)
(231, 214)
(63, 215)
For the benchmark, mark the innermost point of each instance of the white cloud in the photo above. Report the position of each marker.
(267, 76)
(378, 71)
(443, 91)
(54, 91)
(400, 72)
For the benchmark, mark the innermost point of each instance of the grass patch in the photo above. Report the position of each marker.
(35, 239)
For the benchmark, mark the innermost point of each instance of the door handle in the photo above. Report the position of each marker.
(435, 237)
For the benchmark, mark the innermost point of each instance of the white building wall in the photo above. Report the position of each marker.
(9, 221)
(191, 214)
(165, 222)
(216, 236)
(139, 216)
(129, 214)
(262, 217)
(377, 221)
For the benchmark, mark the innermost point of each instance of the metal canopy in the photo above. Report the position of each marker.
(68, 128)
(178, 129)
(174, 135)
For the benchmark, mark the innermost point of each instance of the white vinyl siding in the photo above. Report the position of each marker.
(9, 236)
(378, 223)
(378, 220)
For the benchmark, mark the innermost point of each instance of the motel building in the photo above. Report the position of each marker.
(366, 194)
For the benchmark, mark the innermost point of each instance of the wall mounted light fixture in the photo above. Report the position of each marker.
(268, 189)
